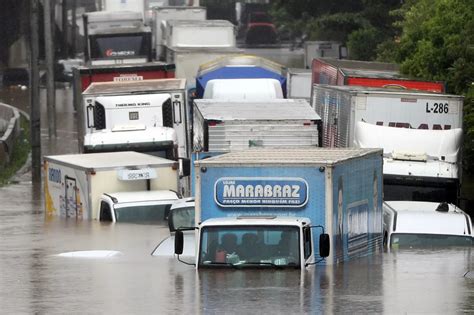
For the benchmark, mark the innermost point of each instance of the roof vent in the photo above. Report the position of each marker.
(443, 207)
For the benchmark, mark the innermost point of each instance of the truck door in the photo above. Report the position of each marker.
(179, 123)
(71, 197)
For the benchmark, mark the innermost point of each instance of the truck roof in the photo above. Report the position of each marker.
(144, 196)
(257, 220)
(200, 23)
(108, 16)
(357, 90)
(360, 65)
(307, 156)
(276, 109)
(109, 160)
(135, 86)
(154, 65)
(241, 61)
(422, 218)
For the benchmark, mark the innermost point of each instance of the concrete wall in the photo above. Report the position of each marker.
(9, 133)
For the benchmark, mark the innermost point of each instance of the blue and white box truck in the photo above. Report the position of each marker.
(287, 208)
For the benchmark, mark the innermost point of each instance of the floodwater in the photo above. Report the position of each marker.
(34, 279)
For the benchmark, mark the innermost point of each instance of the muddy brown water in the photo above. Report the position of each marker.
(33, 279)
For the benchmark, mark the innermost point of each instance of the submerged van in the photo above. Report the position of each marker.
(418, 224)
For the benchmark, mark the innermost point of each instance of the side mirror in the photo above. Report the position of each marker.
(178, 242)
(324, 245)
(185, 167)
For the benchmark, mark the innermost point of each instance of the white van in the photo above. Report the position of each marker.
(410, 224)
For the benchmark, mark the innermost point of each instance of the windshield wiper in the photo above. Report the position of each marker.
(216, 263)
(260, 263)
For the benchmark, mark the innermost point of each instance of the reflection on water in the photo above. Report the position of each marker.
(33, 279)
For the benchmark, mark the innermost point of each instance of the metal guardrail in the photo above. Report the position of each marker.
(12, 131)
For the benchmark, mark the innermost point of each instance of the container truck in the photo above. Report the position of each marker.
(318, 49)
(116, 37)
(85, 75)
(287, 208)
(298, 83)
(146, 116)
(367, 73)
(167, 13)
(115, 186)
(239, 67)
(419, 165)
(340, 107)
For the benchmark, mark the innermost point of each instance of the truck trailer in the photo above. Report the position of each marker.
(287, 208)
(239, 67)
(116, 186)
(341, 107)
(367, 73)
(298, 83)
(162, 14)
(83, 76)
(419, 164)
(146, 116)
(116, 37)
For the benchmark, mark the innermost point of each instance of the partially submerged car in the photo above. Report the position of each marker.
(417, 224)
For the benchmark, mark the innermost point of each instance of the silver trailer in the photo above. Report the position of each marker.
(224, 126)
(298, 83)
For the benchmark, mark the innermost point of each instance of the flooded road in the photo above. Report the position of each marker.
(33, 279)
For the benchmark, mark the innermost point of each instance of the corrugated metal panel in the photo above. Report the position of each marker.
(334, 109)
(232, 136)
(134, 86)
(278, 109)
(290, 156)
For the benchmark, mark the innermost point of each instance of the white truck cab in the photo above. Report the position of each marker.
(140, 206)
(254, 241)
(410, 224)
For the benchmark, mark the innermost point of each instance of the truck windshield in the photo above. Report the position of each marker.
(119, 46)
(142, 213)
(250, 246)
(428, 240)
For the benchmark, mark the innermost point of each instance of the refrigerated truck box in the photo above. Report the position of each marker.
(85, 75)
(298, 82)
(143, 115)
(338, 191)
(198, 33)
(367, 73)
(239, 67)
(74, 183)
(340, 107)
(162, 14)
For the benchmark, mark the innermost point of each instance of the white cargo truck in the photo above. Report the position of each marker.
(340, 107)
(423, 165)
(317, 49)
(162, 14)
(198, 33)
(116, 37)
(146, 116)
(115, 186)
(298, 83)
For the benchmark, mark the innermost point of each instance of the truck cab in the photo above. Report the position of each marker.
(418, 224)
(139, 206)
(255, 241)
